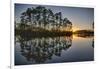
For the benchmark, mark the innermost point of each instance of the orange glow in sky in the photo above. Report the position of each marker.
(75, 29)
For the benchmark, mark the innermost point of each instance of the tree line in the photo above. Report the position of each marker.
(41, 17)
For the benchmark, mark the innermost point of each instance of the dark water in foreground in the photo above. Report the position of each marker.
(53, 50)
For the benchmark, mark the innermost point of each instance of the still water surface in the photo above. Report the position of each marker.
(53, 49)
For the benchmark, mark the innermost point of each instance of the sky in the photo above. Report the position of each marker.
(81, 17)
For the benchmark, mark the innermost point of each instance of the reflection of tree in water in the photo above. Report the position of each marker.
(42, 49)
(93, 43)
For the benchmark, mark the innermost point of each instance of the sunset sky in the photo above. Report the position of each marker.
(81, 18)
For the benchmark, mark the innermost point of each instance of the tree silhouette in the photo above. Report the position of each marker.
(45, 18)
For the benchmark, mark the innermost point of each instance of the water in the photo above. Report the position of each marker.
(53, 49)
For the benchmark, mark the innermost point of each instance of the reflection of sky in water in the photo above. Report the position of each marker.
(80, 50)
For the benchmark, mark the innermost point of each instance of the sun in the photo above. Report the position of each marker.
(75, 29)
